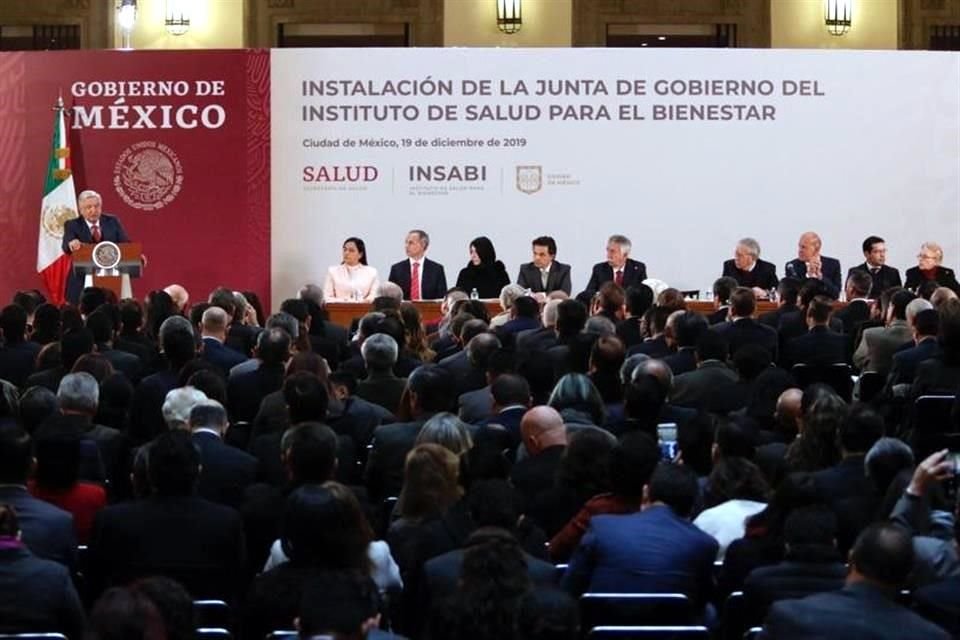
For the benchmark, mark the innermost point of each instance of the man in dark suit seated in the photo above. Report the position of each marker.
(788, 290)
(381, 386)
(213, 332)
(741, 328)
(684, 328)
(38, 594)
(810, 264)
(882, 277)
(545, 439)
(46, 530)
(17, 355)
(655, 345)
(511, 399)
(468, 368)
(524, 316)
(101, 326)
(858, 309)
(173, 532)
(179, 348)
(749, 270)
(225, 471)
(819, 346)
(91, 227)
(430, 390)
(618, 268)
(723, 288)
(694, 388)
(247, 390)
(418, 276)
(656, 550)
(866, 607)
(545, 274)
(794, 324)
(926, 327)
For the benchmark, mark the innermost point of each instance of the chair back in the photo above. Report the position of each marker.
(836, 376)
(632, 609)
(211, 614)
(871, 384)
(649, 633)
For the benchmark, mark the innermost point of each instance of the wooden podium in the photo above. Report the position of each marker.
(118, 262)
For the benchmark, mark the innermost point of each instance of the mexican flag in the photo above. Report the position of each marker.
(59, 205)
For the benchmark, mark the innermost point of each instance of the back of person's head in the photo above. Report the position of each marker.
(172, 601)
(927, 322)
(306, 396)
(480, 348)
(675, 486)
(28, 300)
(571, 317)
(632, 463)
(585, 465)
(549, 614)
(179, 347)
(859, 284)
(737, 479)
(493, 503)
(883, 554)
(711, 346)
(814, 525)
(671, 299)
(36, 405)
(607, 354)
(485, 460)
(510, 389)
(309, 451)
(600, 326)
(342, 605)
(46, 322)
(886, 459)
(380, 352)
(447, 430)
(323, 527)
(639, 298)
(432, 387)
(751, 360)
(723, 288)
(178, 404)
(173, 464)
(788, 290)
(899, 302)
(273, 347)
(79, 393)
(743, 302)
(90, 299)
(430, 483)
(209, 414)
(296, 308)
(688, 327)
(58, 458)
(820, 309)
(526, 307)
(494, 565)
(95, 364)
(15, 454)
(124, 614)
(810, 289)
(610, 298)
(862, 427)
(733, 440)
(74, 344)
(13, 323)
(643, 399)
(576, 391)
(101, 326)
(210, 383)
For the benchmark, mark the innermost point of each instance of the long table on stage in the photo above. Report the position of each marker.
(343, 313)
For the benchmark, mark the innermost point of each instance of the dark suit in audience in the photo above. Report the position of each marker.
(38, 596)
(940, 603)
(935, 377)
(855, 313)
(656, 348)
(146, 417)
(476, 407)
(226, 471)
(906, 361)
(794, 324)
(536, 474)
(330, 341)
(383, 389)
(883, 278)
(858, 611)
(791, 579)
(247, 390)
(16, 361)
(772, 318)
(122, 362)
(46, 530)
(693, 389)
(682, 361)
(819, 346)
(442, 574)
(217, 353)
(743, 331)
(851, 495)
(391, 444)
(49, 378)
(763, 274)
(536, 340)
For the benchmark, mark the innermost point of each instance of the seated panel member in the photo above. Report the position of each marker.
(883, 277)
(929, 267)
(749, 270)
(352, 279)
(618, 268)
(810, 264)
(545, 274)
(420, 277)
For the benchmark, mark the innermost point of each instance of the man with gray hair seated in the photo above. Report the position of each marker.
(381, 386)
(546, 336)
(507, 295)
(178, 404)
(749, 270)
(79, 397)
(389, 289)
(225, 471)
(618, 268)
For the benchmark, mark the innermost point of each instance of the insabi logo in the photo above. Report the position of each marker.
(148, 175)
(529, 178)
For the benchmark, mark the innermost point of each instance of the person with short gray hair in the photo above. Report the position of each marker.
(618, 267)
(447, 430)
(930, 267)
(225, 471)
(749, 270)
(312, 293)
(178, 405)
(381, 386)
(508, 294)
(79, 393)
(390, 290)
(419, 277)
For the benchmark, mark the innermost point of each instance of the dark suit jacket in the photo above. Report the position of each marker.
(384, 390)
(390, 446)
(940, 603)
(819, 346)
(682, 361)
(851, 495)
(906, 361)
(829, 267)
(534, 475)
(49, 378)
(557, 280)
(77, 229)
(693, 389)
(46, 530)
(744, 331)
(794, 324)
(651, 551)
(853, 315)
(945, 278)
(433, 280)
(517, 325)
(226, 471)
(38, 595)
(883, 279)
(225, 358)
(197, 542)
(123, 362)
(857, 611)
(146, 416)
(790, 579)
(763, 274)
(634, 272)
(246, 391)
(509, 420)
(772, 318)
(536, 340)
(442, 574)
(476, 406)
(653, 347)
(719, 316)
(16, 362)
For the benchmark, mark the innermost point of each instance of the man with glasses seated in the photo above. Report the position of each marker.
(929, 267)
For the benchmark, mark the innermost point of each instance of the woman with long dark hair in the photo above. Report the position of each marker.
(353, 279)
(484, 272)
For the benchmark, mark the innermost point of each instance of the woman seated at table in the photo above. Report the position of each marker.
(484, 272)
(929, 267)
(352, 279)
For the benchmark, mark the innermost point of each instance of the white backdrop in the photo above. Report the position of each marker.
(878, 152)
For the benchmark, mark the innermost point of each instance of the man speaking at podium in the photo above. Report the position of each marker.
(91, 227)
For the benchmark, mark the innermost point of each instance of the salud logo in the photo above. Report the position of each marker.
(529, 178)
(148, 175)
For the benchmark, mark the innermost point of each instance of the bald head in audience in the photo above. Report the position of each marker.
(213, 324)
(541, 428)
(788, 410)
(659, 370)
(179, 295)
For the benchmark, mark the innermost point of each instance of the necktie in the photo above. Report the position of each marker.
(544, 276)
(95, 232)
(415, 281)
(618, 277)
